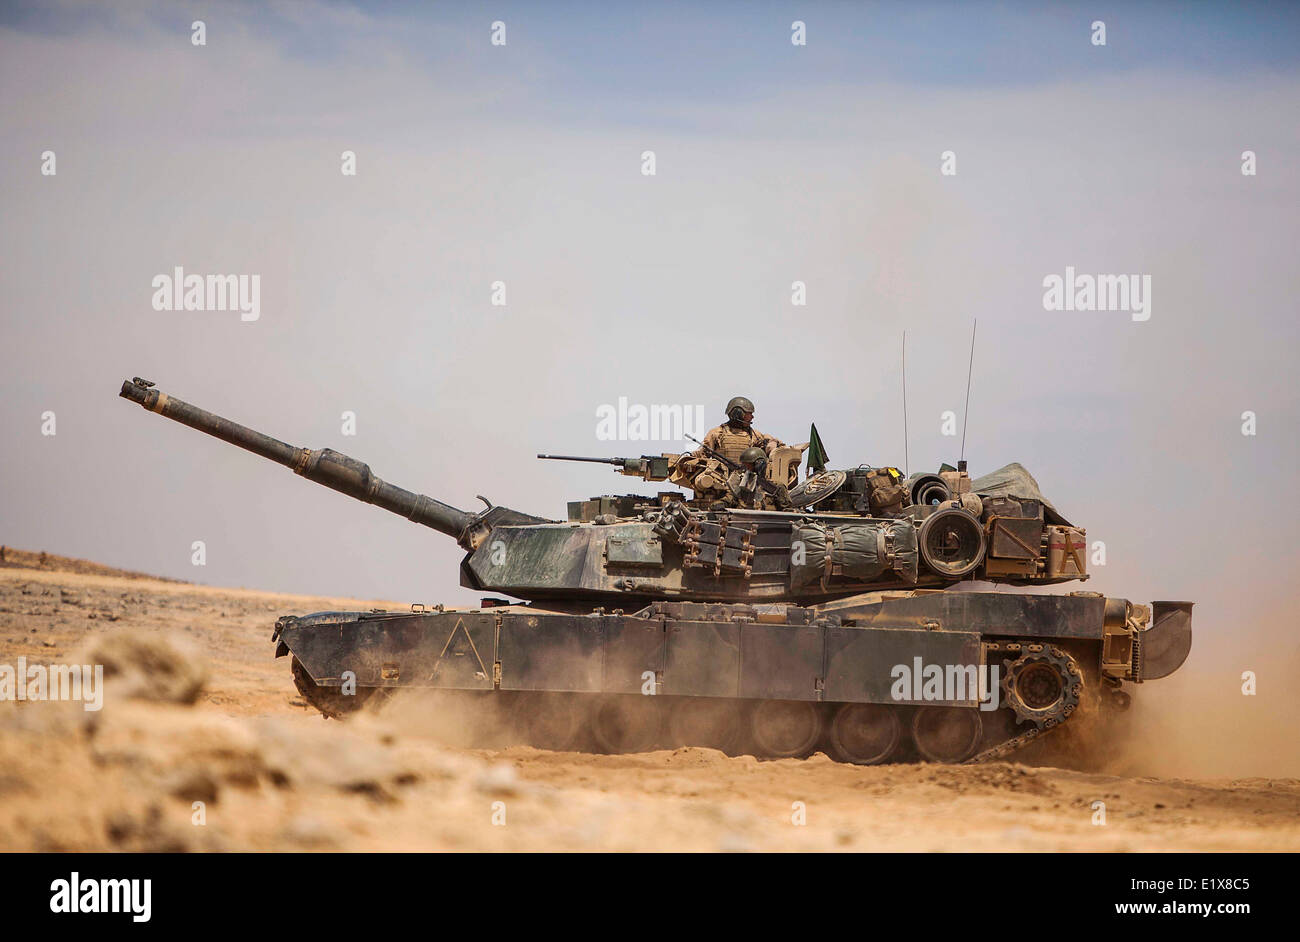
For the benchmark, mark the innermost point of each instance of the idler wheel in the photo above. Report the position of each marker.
(866, 733)
(329, 700)
(947, 734)
(548, 720)
(785, 728)
(951, 542)
(713, 722)
(626, 723)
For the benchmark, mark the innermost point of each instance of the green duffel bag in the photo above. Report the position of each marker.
(851, 552)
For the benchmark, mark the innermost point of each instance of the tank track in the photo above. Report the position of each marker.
(614, 725)
(1004, 749)
(329, 701)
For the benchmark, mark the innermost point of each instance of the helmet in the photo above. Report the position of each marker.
(753, 455)
(737, 407)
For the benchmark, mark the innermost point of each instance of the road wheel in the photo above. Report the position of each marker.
(785, 728)
(627, 723)
(947, 734)
(713, 722)
(549, 720)
(866, 733)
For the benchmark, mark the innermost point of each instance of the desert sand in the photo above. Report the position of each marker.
(246, 765)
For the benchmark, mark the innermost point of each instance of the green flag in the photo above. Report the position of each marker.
(817, 456)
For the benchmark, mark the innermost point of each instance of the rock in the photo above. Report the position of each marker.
(179, 748)
(193, 784)
(146, 667)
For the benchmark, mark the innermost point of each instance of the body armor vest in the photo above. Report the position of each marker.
(732, 441)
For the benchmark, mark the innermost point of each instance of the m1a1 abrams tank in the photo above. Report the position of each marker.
(667, 620)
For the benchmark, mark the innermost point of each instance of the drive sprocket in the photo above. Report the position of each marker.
(1042, 686)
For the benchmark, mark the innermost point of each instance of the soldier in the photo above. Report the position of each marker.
(744, 489)
(707, 476)
(738, 432)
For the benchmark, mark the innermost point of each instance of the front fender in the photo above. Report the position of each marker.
(1165, 645)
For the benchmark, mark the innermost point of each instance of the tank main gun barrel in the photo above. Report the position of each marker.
(326, 466)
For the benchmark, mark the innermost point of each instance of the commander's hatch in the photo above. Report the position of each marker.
(783, 464)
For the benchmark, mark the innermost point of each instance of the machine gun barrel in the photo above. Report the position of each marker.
(328, 467)
(647, 467)
(619, 462)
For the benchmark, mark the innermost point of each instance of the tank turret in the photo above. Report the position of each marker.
(836, 534)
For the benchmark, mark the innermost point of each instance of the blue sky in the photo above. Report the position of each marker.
(734, 51)
(682, 66)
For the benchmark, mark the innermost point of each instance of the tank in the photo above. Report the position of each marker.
(835, 613)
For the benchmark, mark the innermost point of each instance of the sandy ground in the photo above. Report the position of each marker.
(248, 766)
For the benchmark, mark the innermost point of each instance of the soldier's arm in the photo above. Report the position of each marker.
(710, 441)
(768, 443)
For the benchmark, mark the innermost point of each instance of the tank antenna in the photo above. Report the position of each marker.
(905, 459)
(966, 414)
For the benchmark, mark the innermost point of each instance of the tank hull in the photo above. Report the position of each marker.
(952, 676)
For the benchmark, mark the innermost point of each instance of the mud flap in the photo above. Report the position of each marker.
(1165, 645)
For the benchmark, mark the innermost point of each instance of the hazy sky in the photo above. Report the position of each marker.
(522, 164)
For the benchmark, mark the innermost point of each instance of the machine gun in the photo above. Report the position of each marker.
(778, 492)
(647, 467)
